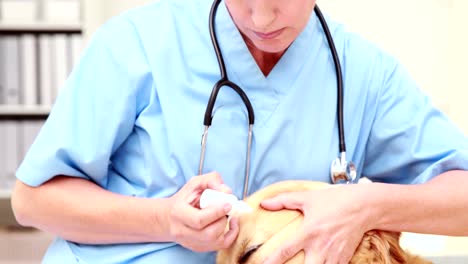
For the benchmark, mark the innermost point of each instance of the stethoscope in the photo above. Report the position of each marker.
(341, 170)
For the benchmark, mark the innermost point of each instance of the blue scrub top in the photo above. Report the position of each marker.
(130, 117)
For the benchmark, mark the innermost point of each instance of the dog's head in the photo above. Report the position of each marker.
(262, 232)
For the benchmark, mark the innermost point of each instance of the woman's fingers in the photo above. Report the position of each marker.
(293, 201)
(287, 251)
(192, 191)
(210, 237)
(341, 253)
(231, 235)
(211, 180)
(214, 232)
(200, 219)
(313, 257)
(200, 229)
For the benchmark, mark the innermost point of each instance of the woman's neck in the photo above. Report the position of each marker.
(265, 61)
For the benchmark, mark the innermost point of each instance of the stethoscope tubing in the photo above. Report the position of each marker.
(339, 79)
(214, 40)
(224, 81)
(207, 121)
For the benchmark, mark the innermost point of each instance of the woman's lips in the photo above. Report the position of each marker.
(268, 35)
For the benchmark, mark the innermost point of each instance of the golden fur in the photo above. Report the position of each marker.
(270, 229)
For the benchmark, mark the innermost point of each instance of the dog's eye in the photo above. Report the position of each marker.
(249, 252)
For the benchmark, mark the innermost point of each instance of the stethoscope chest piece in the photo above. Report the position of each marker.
(342, 171)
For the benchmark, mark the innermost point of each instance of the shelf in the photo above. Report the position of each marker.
(39, 28)
(21, 112)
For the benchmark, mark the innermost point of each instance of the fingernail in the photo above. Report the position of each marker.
(227, 208)
(225, 188)
(234, 222)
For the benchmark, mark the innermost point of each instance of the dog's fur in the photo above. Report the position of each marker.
(271, 229)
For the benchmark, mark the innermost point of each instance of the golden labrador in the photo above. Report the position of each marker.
(261, 232)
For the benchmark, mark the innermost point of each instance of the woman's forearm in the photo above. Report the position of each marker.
(439, 206)
(80, 211)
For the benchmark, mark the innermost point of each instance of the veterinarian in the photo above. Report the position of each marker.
(115, 171)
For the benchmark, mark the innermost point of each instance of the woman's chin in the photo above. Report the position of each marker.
(277, 47)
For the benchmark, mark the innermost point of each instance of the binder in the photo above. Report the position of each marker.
(12, 78)
(28, 54)
(3, 73)
(76, 47)
(59, 63)
(3, 154)
(29, 131)
(11, 153)
(45, 70)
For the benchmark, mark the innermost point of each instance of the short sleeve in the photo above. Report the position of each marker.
(95, 110)
(410, 140)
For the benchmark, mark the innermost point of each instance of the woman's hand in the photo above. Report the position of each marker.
(196, 229)
(333, 226)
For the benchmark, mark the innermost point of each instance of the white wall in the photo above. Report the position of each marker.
(97, 12)
(459, 63)
(427, 36)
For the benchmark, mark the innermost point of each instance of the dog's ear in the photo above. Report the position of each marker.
(397, 254)
(380, 247)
